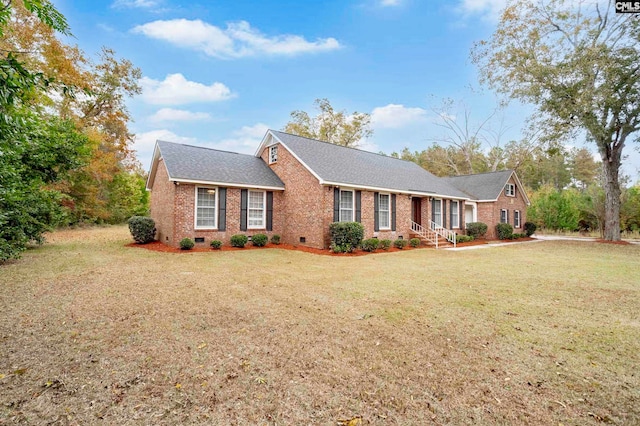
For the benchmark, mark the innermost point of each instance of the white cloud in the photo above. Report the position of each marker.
(488, 10)
(146, 4)
(394, 116)
(237, 40)
(170, 114)
(177, 90)
(390, 2)
(245, 140)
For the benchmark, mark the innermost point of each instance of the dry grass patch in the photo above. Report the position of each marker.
(92, 331)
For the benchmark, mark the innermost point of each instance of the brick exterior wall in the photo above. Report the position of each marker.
(161, 204)
(489, 212)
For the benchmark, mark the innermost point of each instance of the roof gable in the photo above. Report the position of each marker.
(187, 163)
(339, 165)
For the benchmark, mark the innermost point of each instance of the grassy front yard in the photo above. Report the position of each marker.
(536, 333)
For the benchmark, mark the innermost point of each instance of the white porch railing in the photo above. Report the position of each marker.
(433, 233)
(448, 234)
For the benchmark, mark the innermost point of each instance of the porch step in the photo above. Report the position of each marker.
(442, 241)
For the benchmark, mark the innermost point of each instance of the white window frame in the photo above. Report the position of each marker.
(386, 226)
(263, 219)
(438, 201)
(510, 190)
(516, 218)
(504, 218)
(215, 208)
(454, 214)
(273, 154)
(353, 205)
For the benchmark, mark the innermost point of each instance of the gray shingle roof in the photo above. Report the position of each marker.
(483, 186)
(210, 165)
(337, 164)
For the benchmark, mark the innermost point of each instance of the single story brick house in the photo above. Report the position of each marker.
(296, 187)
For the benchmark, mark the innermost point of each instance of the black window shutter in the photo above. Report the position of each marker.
(433, 210)
(269, 210)
(507, 216)
(376, 211)
(222, 209)
(358, 206)
(244, 195)
(460, 211)
(393, 212)
(444, 213)
(336, 204)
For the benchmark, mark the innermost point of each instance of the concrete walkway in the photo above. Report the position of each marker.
(538, 239)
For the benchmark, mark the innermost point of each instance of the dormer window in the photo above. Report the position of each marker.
(273, 154)
(510, 190)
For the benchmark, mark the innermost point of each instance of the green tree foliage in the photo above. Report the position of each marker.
(93, 95)
(329, 125)
(577, 61)
(554, 209)
(36, 150)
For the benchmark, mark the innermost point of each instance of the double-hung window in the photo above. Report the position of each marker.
(455, 211)
(516, 219)
(437, 212)
(206, 208)
(510, 190)
(384, 211)
(256, 210)
(346, 206)
(504, 216)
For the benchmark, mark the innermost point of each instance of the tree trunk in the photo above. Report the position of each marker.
(611, 168)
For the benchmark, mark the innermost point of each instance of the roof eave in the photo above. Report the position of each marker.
(228, 184)
(393, 190)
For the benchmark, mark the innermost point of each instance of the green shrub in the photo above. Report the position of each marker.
(346, 236)
(516, 236)
(370, 244)
(142, 228)
(275, 239)
(530, 228)
(414, 242)
(216, 244)
(504, 231)
(259, 240)
(239, 240)
(477, 229)
(400, 243)
(385, 244)
(464, 238)
(186, 244)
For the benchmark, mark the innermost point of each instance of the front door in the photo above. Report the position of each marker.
(416, 210)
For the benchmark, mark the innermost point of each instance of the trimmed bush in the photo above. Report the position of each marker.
(477, 229)
(239, 240)
(516, 236)
(275, 239)
(186, 244)
(414, 242)
(385, 244)
(345, 236)
(400, 243)
(216, 244)
(142, 228)
(504, 231)
(530, 228)
(259, 240)
(370, 244)
(463, 238)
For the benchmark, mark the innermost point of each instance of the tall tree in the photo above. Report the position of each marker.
(36, 148)
(579, 62)
(329, 125)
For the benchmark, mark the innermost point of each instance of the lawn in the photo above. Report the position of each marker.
(541, 333)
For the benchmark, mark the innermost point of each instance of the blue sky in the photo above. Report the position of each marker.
(220, 73)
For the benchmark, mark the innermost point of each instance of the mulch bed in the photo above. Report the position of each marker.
(161, 247)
